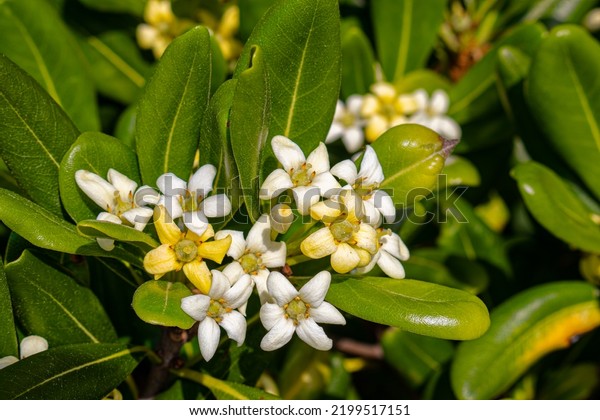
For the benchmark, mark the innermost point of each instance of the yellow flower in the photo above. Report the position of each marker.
(350, 242)
(225, 31)
(184, 250)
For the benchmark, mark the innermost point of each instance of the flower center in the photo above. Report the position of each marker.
(364, 191)
(191, 202)
(348, 119)
(217, 309)
(186, 250)
(297, 310)
(122, 206)
(251, 263)
(342, 230)
(302, 176)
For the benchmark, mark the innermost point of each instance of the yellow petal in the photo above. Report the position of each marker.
(376, 126)
(208, 233)
(198, 273)
(230, 22)
(344, 259)
(319, 244)
(161, 260)
(365, 257)
(327, 211)
(386, 92)
(366, 238)
(168, 231)
(215, 250)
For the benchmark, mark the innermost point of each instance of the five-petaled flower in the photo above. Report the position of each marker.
(390, 251)
(218, 308)
(432, 114)
(298, 311)
(184, 250)
(348, 124)
(308, 178)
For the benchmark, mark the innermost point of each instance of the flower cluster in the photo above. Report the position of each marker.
(368, 116)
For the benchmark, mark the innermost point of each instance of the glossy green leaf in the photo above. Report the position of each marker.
(564, 98)
(51, 304)
(121, 233)
(250, 113)
(134, 7)
(412, 156)
(8, 333)
(556, 206)
(79, 371)
(32, 122)
(358, 62)
(159, 302)
(475, 95)
(460, 171)
(413, 306)
(405, 32)
(215, 144)
(416, 357)
(171, 108)
(300, 41)
(524, 329)
(97, 153)
(46, 50)
(115, 65)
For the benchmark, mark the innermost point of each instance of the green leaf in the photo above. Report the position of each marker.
(52, 305)
(250, 13)
(412, 156)
(524, 329)
(8, 333)
(416, 357)
(301, 43)
(413, 306)
(563, 96)
(576, 382)
(80, 371)
(225, 390)
(159, 302)
(45, 49)
(134, 7)
(121, 233)
(115, 65)
(45, 230)
(423, 79)
(30, 120)
(557, 207)
(250, 113)
(97, 153)
(215, 143)
(172, 106)
(460, 171)
(405, 32)
(358, 62)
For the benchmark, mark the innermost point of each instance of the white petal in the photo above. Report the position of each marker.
(319, 159)
(335, 132)
(259, 236)
(278, 336)
(260, 280)
(367, 268)
(393, 245)
(313, 335)
(305, 197)
(109, 217)
(354, 104)
(171, 185)
(172, 205)
(98, 189)
(7, 361)
(384, 203)
(220, 284)
(327, 184)
(421, 118)
(233, 271)
(122, 183)
(208, 337)
(146, 195)
(372, 216)
(106, 244)
(326, 313)
(370, 168)
(239, 293)
(201, 182)
(353, 139)
(216, 206)
(270, 314)
(275, 255)
(340, 110)
(314, 291)
(446, 127)
(287, 152)
(276, 183)
(421, 99)
(31, 345)
(366, 238)
(146, 35)
(385, 91)
(345, 170)
(280, 288)
(238, 243)
(390, 266)
(234, 324)
(439, 102)
(370, 106)
(195, 221)
(195, 306)
(139, 217)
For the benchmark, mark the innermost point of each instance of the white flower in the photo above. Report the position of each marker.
(308, 178)
(189, 200)
(119, 198)
(161, 27)
(219, 309)
(298, 311)
(432, 114)
(254, 255)
(29, 346)
(365, 183)
(348, 124)
(391, 250)
(281, 217)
